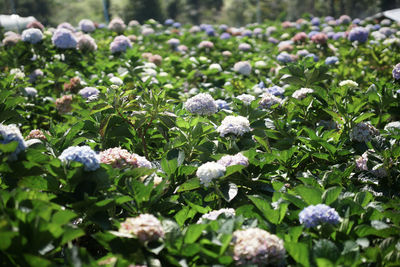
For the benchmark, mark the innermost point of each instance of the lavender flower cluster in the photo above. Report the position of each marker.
(230, 160)
(64, 39)
(312, 216)
(120, 44)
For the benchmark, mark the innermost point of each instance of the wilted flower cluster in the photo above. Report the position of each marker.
(230, 160)
(86, 43)
(213, 215)
(257, 247)
(32, 35)
(236, 125)
(36, 134)
(312, 216)
(63, 104)
(363, 132)
(210, 171)
(64, 39)
(82, 154)
(201, 104)
(302, 93)
(146, 227)
(11, 133)
(120, 44)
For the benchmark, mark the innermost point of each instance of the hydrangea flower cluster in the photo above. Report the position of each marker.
(210, 171)
(35, 74)
(361, 162)
(82, 154)
(146, 227)
(36, 134)
(86, 43)
(222, 104)
(10, 133)
(257, 247)
(396, 72)
(64, 39)
(32, 35)
(230, 160)
(11, 39)
(348, 83)
(202, 104)
(86, 25)
(242, 67)
(393, 126)
(30, 91)
(363, 132)
(117, 25)
(284, 57)
(269, 100)
(236, 125)
(331, 60)
(302, 93)
(312, 216)
(358, 34)
(120, 44)
(89, 93)
(213, 215)
(118, 158)
(206, 45)
(63, 104)
(246, 98)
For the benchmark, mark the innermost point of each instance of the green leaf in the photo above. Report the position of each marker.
(191, 184)
(331, 194)
(363, 117)
(265, 208)
(310, 194)
(299, 252)
(71, 234)
(193, 232)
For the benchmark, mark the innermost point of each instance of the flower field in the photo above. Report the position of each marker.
(177, 145)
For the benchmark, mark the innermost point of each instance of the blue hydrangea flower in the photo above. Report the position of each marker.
(176, 25)
(10, 133)
(338, 35)
(315, 21)
(359, 34)
(63, 38)
(312, 216)
(222, 104)
(225, 36)
(82, 154)
(169, 22)
(284, 57)
(313, 56)
(275, 90)
(331, 60)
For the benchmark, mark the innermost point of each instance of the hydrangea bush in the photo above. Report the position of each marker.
(163, 144)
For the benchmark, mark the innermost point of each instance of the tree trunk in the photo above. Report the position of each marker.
(332, 6)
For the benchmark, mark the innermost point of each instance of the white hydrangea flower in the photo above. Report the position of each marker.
(257, 247)
(349, 83)
(213, 215)
(246, 98)
(230, 160)
(216, 67)
(302, 93)
(202, 104)
(260, 64)
(210, 171)
(18, 73)
(146, 227)
(269, 100)
(116, 81)
(30, 91)
(236, 125)
(394, 125)
(242, 67)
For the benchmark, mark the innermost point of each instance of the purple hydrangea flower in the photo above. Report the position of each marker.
(331, 60)
(275, 90)
(313, 56)
(82, 154)
(176, 25)
(169, 22)
(86, 25)
(396, 72)
(315, 21)
(359, 34)
(284, 57)
(338, 35)
(202, 104)
(63, 38)
(225, 36)
(312, 216)
(89, 93)
(120, 44)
